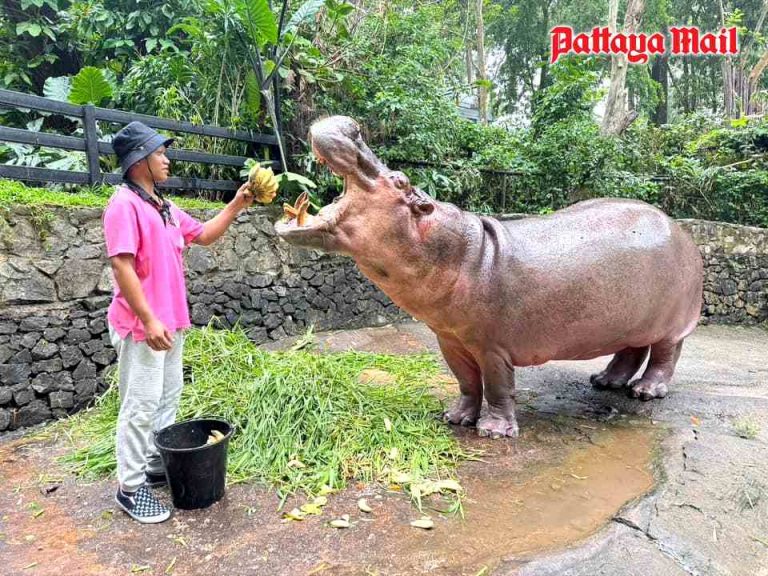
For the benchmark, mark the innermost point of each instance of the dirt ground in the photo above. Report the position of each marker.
(596, 484)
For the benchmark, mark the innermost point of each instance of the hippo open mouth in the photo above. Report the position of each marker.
(299, 227)
(336, 142)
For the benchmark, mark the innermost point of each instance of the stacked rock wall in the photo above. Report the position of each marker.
(735, 271)
(55, 287)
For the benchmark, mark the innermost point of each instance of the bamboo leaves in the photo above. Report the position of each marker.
(305, 422)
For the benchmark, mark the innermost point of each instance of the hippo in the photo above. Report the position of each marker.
(601, 277)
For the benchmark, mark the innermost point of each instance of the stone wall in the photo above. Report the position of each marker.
(735, 271)
(55, 286)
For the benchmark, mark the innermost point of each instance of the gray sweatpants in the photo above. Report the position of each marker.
(150, 385)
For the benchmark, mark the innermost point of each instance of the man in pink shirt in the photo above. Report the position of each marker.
(145, 235)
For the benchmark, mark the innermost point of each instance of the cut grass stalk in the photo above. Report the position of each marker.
(297, 406)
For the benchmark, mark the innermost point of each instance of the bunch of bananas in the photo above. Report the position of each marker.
(262, 184)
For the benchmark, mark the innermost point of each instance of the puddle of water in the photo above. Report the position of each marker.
(554, 506)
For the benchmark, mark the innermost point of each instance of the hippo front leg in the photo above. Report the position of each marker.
(499, 391)
(466, 409)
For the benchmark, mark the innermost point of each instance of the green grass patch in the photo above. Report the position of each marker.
(297, 406)
(14, 193)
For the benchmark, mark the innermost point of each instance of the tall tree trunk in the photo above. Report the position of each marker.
(726, 64)
(617, 117)
(659, 74)
(749, 81)
(470, 65)
(696, 84)
(754, 80)
(738, 84)
(481, 73)
(728, 103)
(544, 65)
(468, 46)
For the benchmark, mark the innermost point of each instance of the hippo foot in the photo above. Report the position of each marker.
(647, 389)
(465, 412)
(497, 427)
(607, 381)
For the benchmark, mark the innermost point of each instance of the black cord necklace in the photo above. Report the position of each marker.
(162, 205)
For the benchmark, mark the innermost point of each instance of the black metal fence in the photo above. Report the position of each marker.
(93, 147)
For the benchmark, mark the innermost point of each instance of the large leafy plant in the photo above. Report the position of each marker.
(268, 42)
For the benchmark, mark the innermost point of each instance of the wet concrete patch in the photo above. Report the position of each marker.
(37, 535)
(559, 504)
(558, 484)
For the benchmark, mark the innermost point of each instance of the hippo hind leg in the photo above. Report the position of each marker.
(621, 369)
(657, 376)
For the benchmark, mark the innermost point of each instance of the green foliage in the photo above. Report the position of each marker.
(396, 93)
(572, 93)
(258, 20)
(58, 88)
(746, 427)
(398, 68)
(304, 14)
(89, 87)
(13, 193)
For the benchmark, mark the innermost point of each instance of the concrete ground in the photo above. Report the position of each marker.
(597, 484)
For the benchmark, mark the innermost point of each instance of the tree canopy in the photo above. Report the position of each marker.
(409, 72)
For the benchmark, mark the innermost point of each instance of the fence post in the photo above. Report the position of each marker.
(504, 194)
(91, 144)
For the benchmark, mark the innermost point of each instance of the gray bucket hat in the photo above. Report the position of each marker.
(135, 142)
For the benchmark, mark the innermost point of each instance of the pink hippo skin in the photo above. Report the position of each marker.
(605, 276)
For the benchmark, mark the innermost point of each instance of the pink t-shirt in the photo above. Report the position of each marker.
(134, 226)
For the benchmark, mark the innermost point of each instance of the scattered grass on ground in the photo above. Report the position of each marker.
(297, 407)
(750, 493)
(746, 427)
(13, 193)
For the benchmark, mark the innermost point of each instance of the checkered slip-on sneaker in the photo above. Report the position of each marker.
(142, 506)
(155, 479)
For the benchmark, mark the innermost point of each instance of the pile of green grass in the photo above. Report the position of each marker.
(303, 420)
(14, 193)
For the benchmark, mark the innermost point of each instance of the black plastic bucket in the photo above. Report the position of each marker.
(196, 471)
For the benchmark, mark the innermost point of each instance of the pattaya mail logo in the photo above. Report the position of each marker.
(686, 40)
